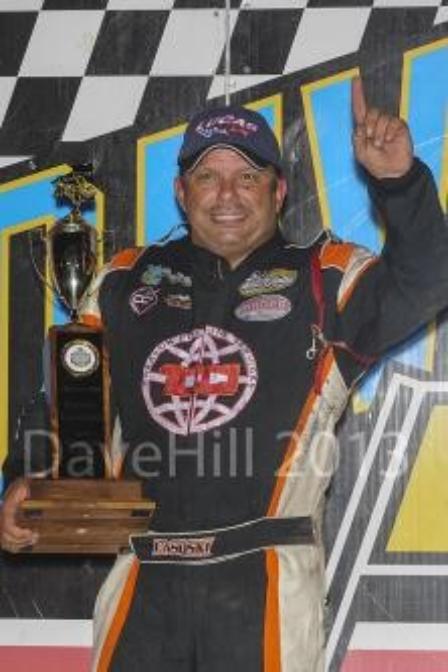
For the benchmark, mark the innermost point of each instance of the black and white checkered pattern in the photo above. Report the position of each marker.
(85, 67)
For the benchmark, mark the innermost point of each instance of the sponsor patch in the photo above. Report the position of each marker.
(201, 379)
(182, 301)
(143, 299)
(154, 275)
(263, 308)
(182, 547)
(198, 380)
(264, 282)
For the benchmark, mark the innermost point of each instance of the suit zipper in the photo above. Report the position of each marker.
(219, 267)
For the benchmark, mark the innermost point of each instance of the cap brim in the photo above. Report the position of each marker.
(187, 165)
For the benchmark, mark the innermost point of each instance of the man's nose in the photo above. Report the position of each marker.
(227, 189)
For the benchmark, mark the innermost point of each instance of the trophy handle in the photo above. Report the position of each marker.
(43, 278)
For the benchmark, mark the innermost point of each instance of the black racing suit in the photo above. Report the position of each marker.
(228, 385)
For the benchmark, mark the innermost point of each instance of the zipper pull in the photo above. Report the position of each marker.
(317, 341)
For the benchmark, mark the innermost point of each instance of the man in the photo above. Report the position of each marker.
(233, 354)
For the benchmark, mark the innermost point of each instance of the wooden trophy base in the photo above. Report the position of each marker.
(85, 517)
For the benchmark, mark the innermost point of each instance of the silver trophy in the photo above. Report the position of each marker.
(72, 244)
(82, 508)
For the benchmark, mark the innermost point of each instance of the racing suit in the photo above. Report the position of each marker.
(228, 385)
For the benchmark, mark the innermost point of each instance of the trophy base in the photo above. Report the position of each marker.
(85, 516)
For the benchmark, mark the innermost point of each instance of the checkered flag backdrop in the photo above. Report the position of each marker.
(73, 70)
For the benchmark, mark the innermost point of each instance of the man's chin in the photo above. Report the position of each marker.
(233, 251)
(231, 244)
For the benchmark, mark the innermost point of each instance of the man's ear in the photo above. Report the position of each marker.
(280, 193)
(179, 188)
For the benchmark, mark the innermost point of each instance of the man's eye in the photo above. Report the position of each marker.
(249, 177)
(204, 176)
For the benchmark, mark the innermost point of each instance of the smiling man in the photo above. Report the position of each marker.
(232, 193)
(233, 355)
(232, 206)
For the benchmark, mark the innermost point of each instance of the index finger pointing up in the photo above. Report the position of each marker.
(359, 105)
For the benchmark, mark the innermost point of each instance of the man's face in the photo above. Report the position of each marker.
(231, 206)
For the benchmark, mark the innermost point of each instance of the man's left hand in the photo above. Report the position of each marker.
(382, 143)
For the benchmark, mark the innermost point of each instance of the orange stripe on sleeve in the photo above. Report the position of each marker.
(125, 258)
(272, 650)
(349, 291)
(336, 255)
(119, 618)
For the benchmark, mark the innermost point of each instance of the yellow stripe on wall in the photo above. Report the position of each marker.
(421, 525)
(5, 240)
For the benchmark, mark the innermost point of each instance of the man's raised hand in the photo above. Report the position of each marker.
(382, 143)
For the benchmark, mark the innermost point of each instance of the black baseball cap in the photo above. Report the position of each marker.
(234, 127)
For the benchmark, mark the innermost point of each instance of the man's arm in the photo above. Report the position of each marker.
(381, 301)
(391, 296)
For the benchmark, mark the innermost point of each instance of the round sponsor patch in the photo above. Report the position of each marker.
(80, 357)
(263, 308)
(198, 380)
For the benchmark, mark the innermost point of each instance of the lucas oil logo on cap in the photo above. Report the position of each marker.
(226, 125)
(263, 308)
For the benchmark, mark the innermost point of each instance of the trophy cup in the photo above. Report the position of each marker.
(82, 508)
